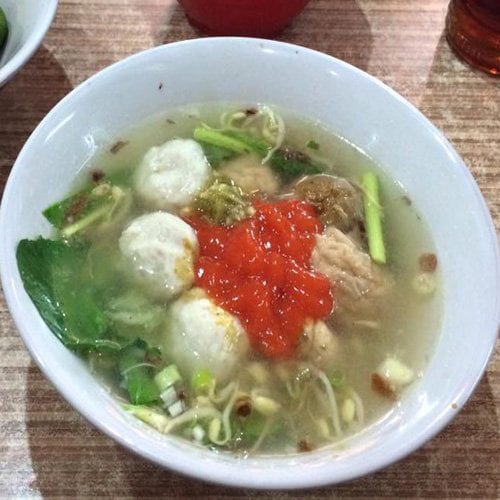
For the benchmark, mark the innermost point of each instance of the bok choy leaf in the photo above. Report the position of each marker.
(50, 271)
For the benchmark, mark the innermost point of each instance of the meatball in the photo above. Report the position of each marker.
(171, 175)
(202, 335)
(361, 287)
(336, 200)
(250, 175)
(160, 249)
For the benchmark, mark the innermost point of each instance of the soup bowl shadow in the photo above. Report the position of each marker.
(351, 104)
(23, 107)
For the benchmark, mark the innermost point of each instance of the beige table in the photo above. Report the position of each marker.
(46, 449)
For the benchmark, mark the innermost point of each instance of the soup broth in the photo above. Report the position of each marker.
(193, 354)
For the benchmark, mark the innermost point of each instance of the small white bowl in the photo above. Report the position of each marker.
(351, 103)
(28, 22)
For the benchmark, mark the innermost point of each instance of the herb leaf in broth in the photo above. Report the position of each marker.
(215, 155)
(99, 204)
(132, 315)
(292, 164)
(259, 146)
(138, 374)
(285, 162)
(122, 177)
(58, 213)
(34, 258)
(312, 144)
(50, 270)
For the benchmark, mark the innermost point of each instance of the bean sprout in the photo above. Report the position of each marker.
(188, 416)
(272, 128)
(273, 131)
(223, 393)
(360, 414)
(226, 424)
(331, 398)
(138, 365)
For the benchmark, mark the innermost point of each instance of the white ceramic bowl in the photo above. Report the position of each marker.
(350, 102)
(28, 22)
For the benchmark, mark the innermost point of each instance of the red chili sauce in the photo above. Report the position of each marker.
(258, 269)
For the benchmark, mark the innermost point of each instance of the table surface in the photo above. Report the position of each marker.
(46, 448)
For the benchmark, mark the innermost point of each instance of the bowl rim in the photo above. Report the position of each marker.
(211, 475)
(22, 56)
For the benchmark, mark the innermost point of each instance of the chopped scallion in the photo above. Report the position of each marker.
(167, 377)
(202, 382)
(169, 396)
(176, 408)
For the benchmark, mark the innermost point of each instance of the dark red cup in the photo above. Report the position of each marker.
(260, 18)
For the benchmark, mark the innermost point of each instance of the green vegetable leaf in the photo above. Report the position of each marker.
(84, 319)
(133, 315)
(51, 271)
(253, 425)
(4, 29)
(92, 205)
(33, 259)
(214, 137)
(290, 165)
(259, 146)
(138, 375)
(215, 155)
(122, 177)
(313, 145)
(59, 213)
(222, 146)
(248, 430)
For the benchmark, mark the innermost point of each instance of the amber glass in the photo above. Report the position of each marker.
(473, 32)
